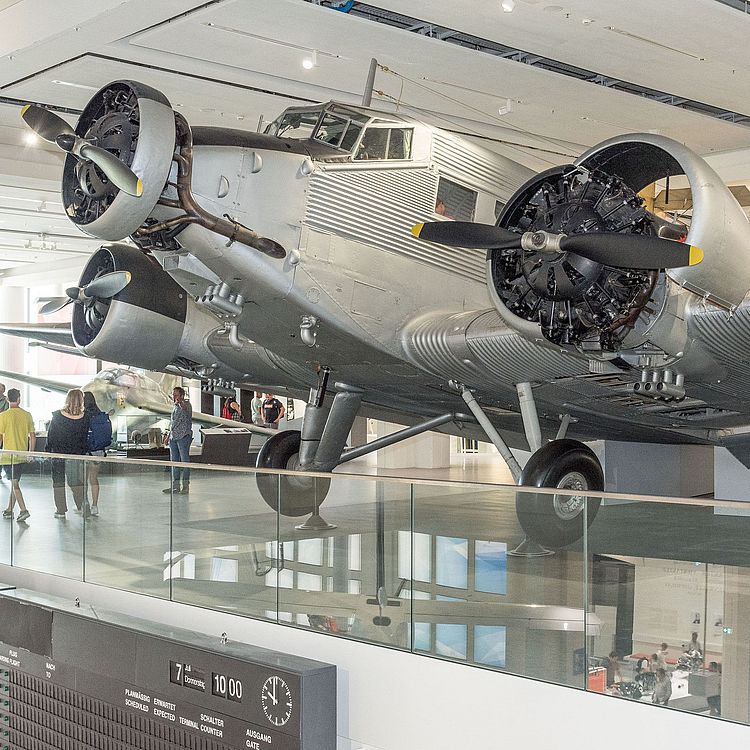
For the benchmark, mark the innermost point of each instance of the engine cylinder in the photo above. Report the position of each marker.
(569, 300)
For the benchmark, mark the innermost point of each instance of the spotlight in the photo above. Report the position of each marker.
(508, 5)
(31, 139)
(310, 62)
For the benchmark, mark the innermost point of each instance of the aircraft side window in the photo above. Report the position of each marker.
(455, 201)
(331, 130)
(350, 136)
(499, 206)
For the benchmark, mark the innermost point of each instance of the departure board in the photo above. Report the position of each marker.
(74, 678)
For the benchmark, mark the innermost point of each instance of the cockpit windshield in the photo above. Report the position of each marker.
(295, 124)
(332, 124)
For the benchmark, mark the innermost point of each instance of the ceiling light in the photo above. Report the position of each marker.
(508, 5)
(309, 63)
(30, 139)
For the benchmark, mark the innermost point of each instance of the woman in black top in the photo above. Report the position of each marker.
(68, 433)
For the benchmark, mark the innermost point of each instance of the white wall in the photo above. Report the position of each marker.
(391, 700)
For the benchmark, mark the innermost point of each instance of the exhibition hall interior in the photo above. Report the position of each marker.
(374, 376)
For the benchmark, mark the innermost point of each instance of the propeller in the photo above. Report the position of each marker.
(53, 128)
(637, 251)
(101, 288)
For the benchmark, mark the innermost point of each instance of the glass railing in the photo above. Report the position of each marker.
(466, 572)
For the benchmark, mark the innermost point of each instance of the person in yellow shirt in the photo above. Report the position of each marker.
(17, 434)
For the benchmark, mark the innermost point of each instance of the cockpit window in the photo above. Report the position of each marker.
(299, 125)
(385, 143)
(338, 131)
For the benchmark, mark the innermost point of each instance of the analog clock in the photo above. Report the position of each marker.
(276, 699)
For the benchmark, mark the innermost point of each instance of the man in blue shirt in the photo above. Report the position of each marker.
(180, 437)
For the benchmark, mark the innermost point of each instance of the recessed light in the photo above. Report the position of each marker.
(31, 139)
(508, 5)
(308, 63)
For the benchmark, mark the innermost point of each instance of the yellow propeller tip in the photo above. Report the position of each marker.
(139, 189)
(416, 229)
(24, 109)
(696, 255)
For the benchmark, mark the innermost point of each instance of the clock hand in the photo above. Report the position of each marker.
(273, 697)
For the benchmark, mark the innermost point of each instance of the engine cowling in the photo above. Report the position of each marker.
(144, 324)
(572, 302)
(137, 124)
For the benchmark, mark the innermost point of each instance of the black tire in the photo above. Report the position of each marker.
(551, 520)
(291, 496)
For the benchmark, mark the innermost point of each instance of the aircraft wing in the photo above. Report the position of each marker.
(208, 419)
(58, 334)
(50, 385)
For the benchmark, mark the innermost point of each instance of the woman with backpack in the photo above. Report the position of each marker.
(98, 440)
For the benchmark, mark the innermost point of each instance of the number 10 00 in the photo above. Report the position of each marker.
(227, 687)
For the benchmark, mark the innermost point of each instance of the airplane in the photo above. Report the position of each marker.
(317, 255)
(136, 397)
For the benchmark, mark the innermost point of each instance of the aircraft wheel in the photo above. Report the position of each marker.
(555, 520)
(290, 495)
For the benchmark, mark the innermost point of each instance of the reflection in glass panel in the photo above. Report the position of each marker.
(223, 569)
(450, 640)
(490, 566)
(422, 636)
(451, 561)
(422, 557)
(489, 645)
(309, 582)
(310, 551)
(355, 552)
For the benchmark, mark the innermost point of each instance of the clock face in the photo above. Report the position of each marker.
(276, 699)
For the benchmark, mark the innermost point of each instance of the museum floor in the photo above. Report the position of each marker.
(412, 565)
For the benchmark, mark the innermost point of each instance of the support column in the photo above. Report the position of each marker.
(12, 348)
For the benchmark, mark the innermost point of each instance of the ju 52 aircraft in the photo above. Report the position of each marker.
(338, 252)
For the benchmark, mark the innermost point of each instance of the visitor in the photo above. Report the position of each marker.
(98, 440)
(180, 437)
(17, 434)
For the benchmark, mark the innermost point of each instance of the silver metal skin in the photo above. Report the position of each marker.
(719, 225)
(344, 409)
(530, 417)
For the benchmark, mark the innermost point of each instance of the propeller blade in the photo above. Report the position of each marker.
(466, 234)
(117, 172)
(632, 250)
(108, 285)
(45, 124)
(54, 305)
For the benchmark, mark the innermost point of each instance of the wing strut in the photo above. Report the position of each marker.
(488, 427)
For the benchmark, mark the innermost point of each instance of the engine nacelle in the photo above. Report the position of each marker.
(144, 324)
(137, 124)
(719, 226)
(570, 301)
